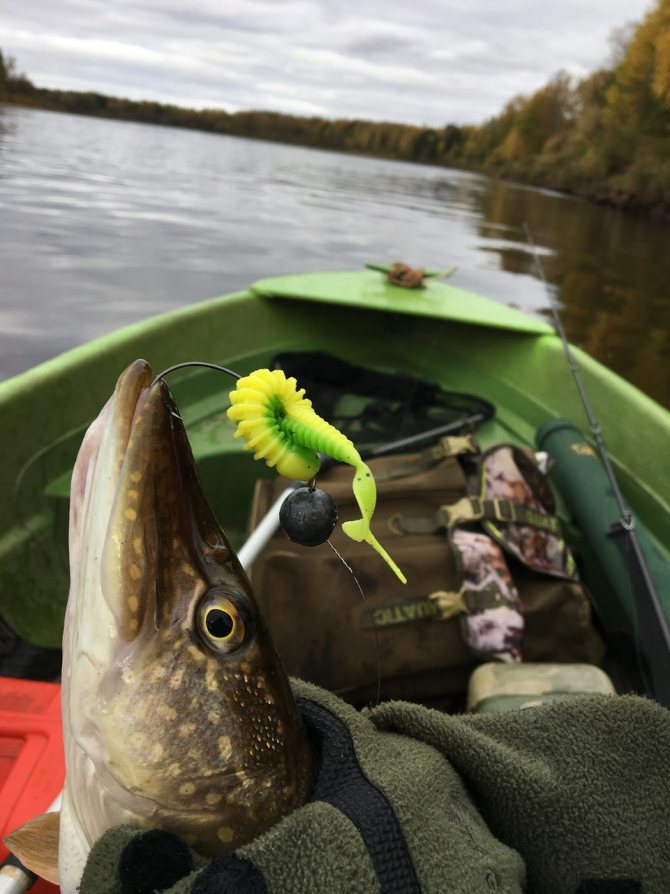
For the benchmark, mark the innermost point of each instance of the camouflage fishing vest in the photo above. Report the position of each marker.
(489, 578)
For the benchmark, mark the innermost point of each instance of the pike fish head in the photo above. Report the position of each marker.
(177, 713)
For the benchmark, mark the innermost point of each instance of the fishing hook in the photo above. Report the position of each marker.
(196, 363)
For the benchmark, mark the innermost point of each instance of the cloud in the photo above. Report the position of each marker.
(426, 63)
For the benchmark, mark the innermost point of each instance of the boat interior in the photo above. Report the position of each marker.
(516, 364)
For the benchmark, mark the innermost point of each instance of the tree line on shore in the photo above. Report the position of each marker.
(606, 137)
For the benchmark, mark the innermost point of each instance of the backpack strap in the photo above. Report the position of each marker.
(426, 459)
(474, 509)
(471, 509)
(465, 601)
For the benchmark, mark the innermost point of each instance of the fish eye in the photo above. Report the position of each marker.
(222, 622)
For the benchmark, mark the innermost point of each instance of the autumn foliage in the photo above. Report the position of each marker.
(606, 137)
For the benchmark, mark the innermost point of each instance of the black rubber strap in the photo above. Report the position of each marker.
(230, 875)
(609, 886)
(341, 783)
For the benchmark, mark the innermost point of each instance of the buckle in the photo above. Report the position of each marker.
(503, 509)
(453, 445)
(464, 510)
(449, 603)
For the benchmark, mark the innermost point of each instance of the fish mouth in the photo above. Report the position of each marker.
(93, 493)
(141, 528)
(139, 522)
(115, 419)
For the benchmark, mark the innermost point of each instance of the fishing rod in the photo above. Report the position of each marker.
(654, 632)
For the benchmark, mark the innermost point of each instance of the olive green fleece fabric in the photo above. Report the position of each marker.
(531, 800)
(580, 788)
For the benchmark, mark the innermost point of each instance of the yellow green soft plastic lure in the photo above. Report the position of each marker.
(278, 423)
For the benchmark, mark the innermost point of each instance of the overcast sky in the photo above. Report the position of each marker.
(416, 61)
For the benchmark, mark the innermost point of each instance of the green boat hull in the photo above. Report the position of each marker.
(463, 342)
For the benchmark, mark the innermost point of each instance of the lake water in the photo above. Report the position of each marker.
(104, 223)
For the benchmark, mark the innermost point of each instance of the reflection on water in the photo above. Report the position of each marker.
(105, 223)
(611, 273)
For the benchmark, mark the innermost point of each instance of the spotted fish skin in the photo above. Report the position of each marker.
(177, 712)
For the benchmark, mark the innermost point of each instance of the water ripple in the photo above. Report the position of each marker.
(108, 222)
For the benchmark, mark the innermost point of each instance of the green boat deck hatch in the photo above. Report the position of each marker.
(369, 290)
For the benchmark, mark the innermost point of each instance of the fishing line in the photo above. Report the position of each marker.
(627, 520)
(370, 618)
(170, 369)
(160, 376)
(649, 618)
(312, 486)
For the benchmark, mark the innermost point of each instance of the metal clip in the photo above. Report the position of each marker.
(465, 510)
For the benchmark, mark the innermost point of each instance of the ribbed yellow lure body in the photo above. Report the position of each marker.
(278, 423)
